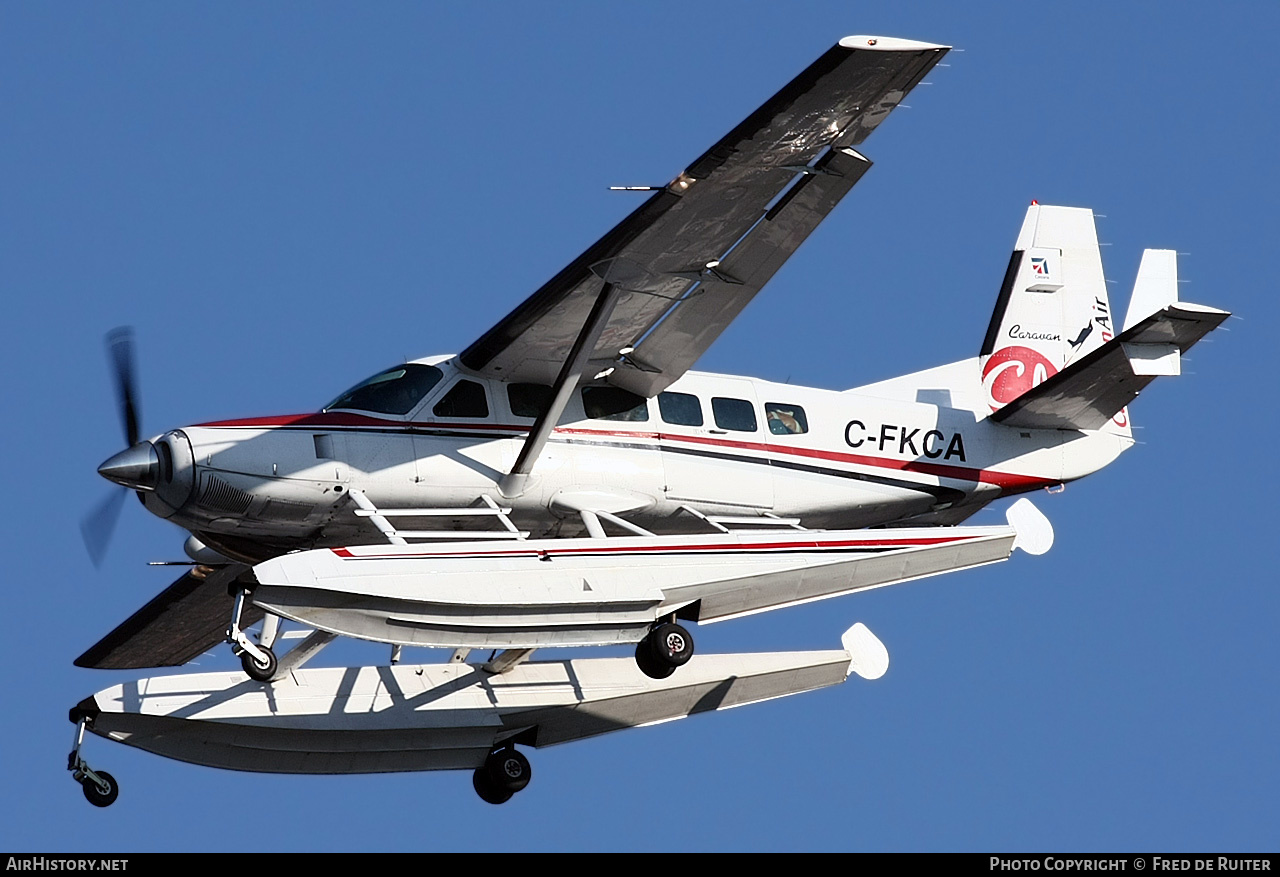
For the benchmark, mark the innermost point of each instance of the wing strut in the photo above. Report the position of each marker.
(566, 382)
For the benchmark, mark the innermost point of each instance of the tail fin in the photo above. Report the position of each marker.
(1053, 307)
(1091, 391)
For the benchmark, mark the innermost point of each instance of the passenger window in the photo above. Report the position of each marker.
(738, 415)
(785, 419)
(466, 399)
(614, 403)
(529, 400)
(681, 409)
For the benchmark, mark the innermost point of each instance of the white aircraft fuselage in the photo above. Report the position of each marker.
(920, 447)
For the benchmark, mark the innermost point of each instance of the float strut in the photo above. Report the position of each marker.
(240, 642)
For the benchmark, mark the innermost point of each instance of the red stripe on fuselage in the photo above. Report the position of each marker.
(1005, 480)
(941, 470)
(808, 544)
(338, 418)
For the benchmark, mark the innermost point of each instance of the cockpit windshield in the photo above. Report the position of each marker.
(395, 391)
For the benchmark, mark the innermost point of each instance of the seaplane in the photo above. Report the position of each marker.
(568, 480)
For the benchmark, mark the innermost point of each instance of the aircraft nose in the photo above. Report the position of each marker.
(137, 468)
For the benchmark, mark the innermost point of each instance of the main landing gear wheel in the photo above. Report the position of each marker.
(672, 644)
(100, 796)
(509, 770)
(663, 649)
(486, 790)
(261, 671)
(648, 662)
(503, 773)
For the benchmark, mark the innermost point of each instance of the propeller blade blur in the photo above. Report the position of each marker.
(120, 348)
(97, 526)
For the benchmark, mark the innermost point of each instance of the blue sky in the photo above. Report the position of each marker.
(284, 198)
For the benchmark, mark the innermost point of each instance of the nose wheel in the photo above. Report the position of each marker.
(663, 649)
(505, 772)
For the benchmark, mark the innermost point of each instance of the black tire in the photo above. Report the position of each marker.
(260, 672)
(672, 645)
(509, 769)
(485, 789)
(648, 662)
(96, 796)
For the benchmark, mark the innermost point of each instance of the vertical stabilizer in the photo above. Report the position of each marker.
(1053, 307)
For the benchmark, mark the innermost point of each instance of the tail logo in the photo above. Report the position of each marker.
(1012, 371)
(1084, 333)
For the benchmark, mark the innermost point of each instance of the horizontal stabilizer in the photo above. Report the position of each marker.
(182, 621)
(1090, 391)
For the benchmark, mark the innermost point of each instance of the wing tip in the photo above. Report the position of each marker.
(887, 44)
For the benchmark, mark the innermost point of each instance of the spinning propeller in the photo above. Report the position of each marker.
(136, 467)
(120, 350)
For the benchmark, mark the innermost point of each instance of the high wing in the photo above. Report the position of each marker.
(690, 258)
(181, 622)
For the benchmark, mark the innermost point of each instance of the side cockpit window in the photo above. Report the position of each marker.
(785, 419)
(466, 399)
(614, 403)
(395, 391)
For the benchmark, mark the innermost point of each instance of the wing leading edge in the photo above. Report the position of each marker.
(182, 621)
(690, 258)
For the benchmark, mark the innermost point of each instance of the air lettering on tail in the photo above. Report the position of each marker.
(1102, 316)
